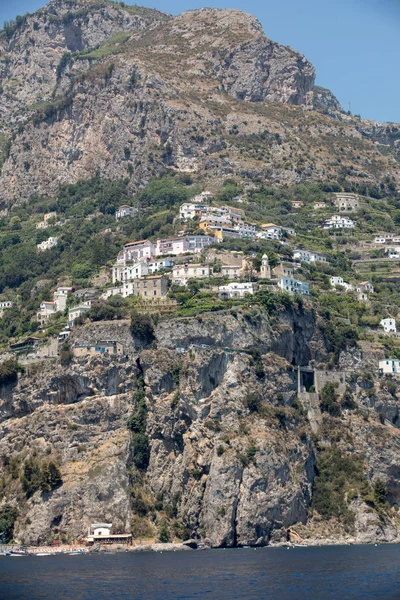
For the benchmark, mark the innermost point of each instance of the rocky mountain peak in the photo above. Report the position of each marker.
(214, 20)
(87, 83)
(229, 48)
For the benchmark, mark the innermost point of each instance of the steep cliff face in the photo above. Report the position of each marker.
(232, 452)
(93, 87)
(229, 48)
(30, 56)
(295, 335)
(326, 102)
(91, 441)
(224, 460)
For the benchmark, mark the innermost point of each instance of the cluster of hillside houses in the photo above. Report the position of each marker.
(141, 271)
(146, 269)
(226, 222)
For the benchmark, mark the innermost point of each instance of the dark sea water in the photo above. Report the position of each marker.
(302, 573)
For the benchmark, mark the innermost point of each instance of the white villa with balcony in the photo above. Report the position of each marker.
(136, 251)
(235, 290)
(127, 272)
(270, 231)
(171, 246)
(308, 256)
(338, 222)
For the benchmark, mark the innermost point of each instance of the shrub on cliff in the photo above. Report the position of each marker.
(338, 475)
(105, 311)
(8, 515)
(9, 370)
(50, 477)
(339, 336)
(30, 479)
(141, 451)
(137, 422)
(329, 400)
(252, 402)
(379, 492)
(45, 477)
(164, 536)
(142, 327)
(273, 302)
(66, 354)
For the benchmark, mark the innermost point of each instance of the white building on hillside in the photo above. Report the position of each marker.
(77, 311)
(235, 290)
(393, 252)
(338, 222)
(198, 242)
(172, 246)
(6, 304)
(182, 273)
(136, 251)
(47, 244)
(246, 230)
(46, 311)
(60, 297)
(308, 257)
(335, 281)
(294, 286)
(366, 287)
(190, 210)
(270, 231)
(388, 238)
(389, 325)
(235, 215)
(49, 309)
(389, 365)
(127, 271)
(289, 230)
(125, 211)
(159, 264)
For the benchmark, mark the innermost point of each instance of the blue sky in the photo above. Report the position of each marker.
(354, 44)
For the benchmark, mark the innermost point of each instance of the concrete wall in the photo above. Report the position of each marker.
(118, 331)
(321, 378)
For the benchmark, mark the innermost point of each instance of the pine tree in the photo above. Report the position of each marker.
(379, 492)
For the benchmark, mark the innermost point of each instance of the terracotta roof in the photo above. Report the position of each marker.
(135, 243)
(269, 225)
